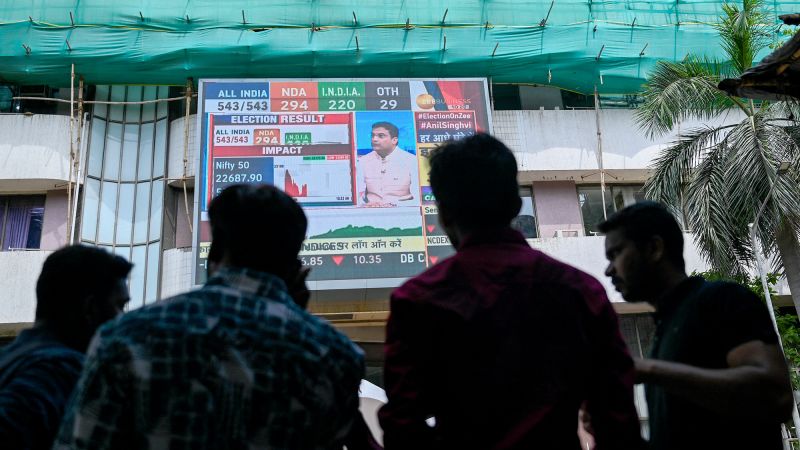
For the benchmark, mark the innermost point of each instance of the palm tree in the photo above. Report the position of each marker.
(718, 176)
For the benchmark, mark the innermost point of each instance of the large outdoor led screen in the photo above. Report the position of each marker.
(353, 153)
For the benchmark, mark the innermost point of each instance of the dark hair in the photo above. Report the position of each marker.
(74, 273)
(642, 221)
(474, 181)
(257, 227)
(390, 127)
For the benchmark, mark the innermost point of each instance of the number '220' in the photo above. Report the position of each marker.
(341, 104)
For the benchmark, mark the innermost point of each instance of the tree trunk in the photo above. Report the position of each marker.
(788, 247)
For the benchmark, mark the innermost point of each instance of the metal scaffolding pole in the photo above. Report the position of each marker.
(71, 152)
(600, 153)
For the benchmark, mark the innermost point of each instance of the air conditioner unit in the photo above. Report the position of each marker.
(567, 233)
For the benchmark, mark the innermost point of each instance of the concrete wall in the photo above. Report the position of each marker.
(34, 152)
(54, 228)
(588, 254)
(557, 207)
(567, 139)
(18, 284)
(176, 146)
(176, 271)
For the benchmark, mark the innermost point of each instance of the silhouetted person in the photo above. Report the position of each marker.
(78, 289)
(717, 378)
(500, 343)
(236, 364)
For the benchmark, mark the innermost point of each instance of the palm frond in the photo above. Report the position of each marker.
(748, 166)
(709, 216)
(678, 91)
(792, 154)
(782, 205)
(744, 32)
(721, 176)
(673, 168)
(788, 111)
(750, 162)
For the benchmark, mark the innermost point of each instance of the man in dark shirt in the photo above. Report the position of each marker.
(79, 288)
(716, 377)
(500, 343)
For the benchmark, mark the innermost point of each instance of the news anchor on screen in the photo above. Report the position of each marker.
(387, 176)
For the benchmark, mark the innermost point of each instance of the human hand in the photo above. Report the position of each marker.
(585, 430)
(644, 368)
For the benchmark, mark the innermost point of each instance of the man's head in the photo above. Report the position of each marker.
(257, 227)
(474, 181)
(80, 287)
(644, 247)
(384, 137)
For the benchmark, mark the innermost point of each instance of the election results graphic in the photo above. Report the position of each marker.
(352, 153)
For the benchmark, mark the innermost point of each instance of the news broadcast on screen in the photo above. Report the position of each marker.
(353, 153)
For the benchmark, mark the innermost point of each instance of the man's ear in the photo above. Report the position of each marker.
(656, 250)
(88, 309)
(518, 206)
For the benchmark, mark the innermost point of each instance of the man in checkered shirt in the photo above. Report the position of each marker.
(236, 364)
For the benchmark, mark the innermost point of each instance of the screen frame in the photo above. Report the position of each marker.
(201, 179)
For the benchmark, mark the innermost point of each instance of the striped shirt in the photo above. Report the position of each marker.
(233, 365)
(37, 376)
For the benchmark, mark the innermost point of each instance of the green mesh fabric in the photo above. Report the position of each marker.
(582, 44)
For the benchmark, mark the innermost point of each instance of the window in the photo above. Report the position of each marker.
(21, 218)
(6, 93)
(590, 200)
(626, 195)
(506, 97)
(525, 222)
(37, 106)
(124, 194)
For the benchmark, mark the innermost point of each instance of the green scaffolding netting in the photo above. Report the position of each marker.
(574, 45)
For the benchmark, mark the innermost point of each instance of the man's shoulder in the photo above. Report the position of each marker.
(39, 347)
(371, 156)
(221, 307)
(46, 354)
(425, 284)
(39, 367)
(60, 353)
(720, 293)
(567, 278)
(400, 156)
(725, 299)
(711, 288)
(178, 307)
(172, 316)
(404, 154)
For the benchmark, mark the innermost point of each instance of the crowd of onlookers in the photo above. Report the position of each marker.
(497, 347)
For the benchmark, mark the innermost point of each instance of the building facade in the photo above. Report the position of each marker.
(111, 161)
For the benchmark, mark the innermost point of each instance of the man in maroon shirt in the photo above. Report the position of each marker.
(500, 343)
